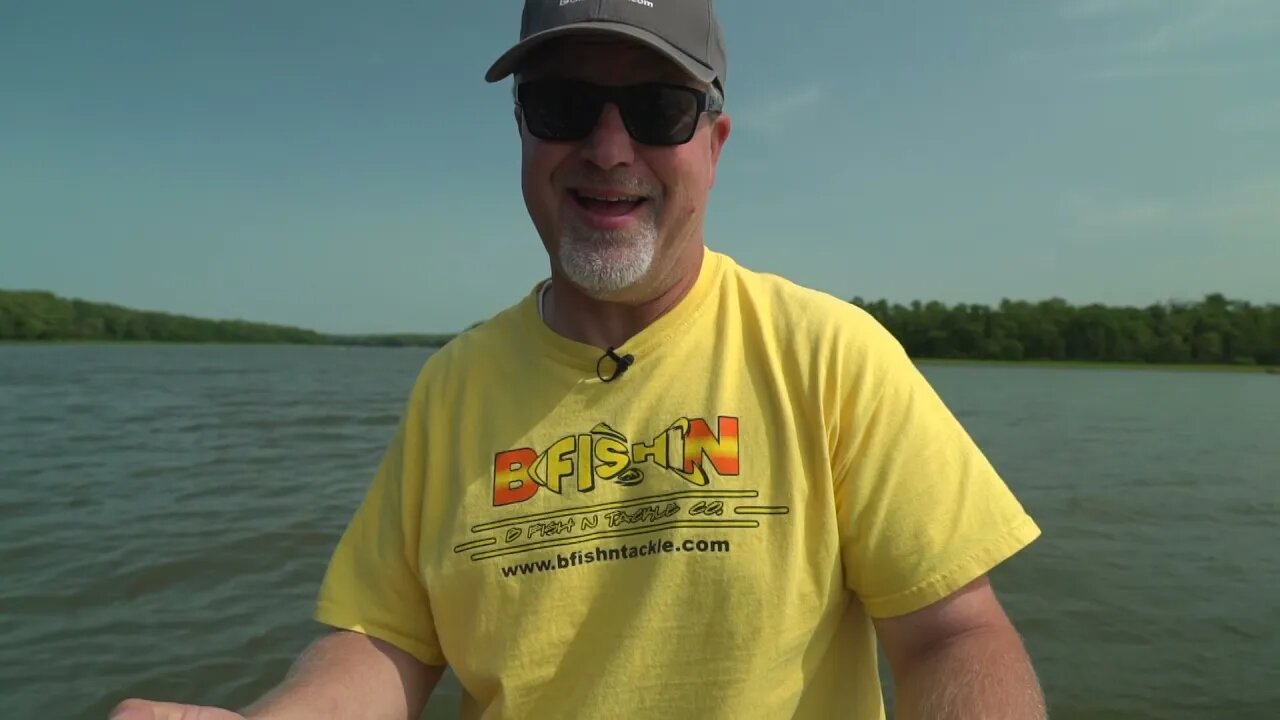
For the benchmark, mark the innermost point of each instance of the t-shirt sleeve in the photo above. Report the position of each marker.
(373, 584)
(922, 511)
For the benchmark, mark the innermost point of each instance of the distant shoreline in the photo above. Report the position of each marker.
(1104, 365)
(1215, 334)
(35, 316)
(368, 342)
(922, 361)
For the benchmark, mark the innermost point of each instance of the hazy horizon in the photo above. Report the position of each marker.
(347, 170)
(451, 331)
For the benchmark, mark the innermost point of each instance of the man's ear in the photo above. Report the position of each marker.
(720, 129)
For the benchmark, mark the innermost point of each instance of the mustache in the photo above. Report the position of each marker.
(630, 184)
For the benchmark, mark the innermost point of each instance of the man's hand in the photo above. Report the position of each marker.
(147, 710)
(342, 675)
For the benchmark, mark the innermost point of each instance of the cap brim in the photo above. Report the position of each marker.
(512, 59)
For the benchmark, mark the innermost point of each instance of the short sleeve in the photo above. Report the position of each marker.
(373, 585)
(922, 511)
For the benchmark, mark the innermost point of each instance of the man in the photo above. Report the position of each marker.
(661, 485)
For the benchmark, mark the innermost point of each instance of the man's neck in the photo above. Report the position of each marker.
(603, 324)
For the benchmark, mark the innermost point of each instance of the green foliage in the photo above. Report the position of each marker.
(1213, 331)
(400, 340)
(45, 316)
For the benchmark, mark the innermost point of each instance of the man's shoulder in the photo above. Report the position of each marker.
(798, 313)
(477, 346)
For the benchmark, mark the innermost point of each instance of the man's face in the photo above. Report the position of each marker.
(618, 218)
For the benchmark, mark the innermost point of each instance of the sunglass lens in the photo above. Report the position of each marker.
(661, 115)
(556, 110)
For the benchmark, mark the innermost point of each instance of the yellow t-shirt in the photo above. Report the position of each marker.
(706, 536)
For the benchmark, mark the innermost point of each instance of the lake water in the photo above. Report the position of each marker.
(166, 513)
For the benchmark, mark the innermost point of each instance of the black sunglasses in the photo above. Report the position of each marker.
(562, 110)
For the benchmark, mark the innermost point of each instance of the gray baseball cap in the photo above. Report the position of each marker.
(686, 31)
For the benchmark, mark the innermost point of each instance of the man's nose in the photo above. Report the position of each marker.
(609, 144)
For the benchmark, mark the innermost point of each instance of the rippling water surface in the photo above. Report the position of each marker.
(166, 513)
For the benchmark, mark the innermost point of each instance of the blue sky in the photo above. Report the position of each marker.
(343, 166)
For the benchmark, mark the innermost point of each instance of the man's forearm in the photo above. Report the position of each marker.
(345, 675)
(984, 674)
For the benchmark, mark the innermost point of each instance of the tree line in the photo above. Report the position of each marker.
(1214, 330)
(43, 316)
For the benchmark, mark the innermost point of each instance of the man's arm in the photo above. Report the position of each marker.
(961, 658)
(342, 676)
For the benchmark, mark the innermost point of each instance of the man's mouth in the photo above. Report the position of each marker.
(606, 203)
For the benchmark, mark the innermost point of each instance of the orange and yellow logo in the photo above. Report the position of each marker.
(607, 455)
